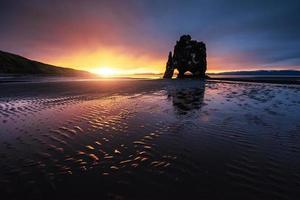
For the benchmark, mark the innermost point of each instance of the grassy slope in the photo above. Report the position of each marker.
(15, 64)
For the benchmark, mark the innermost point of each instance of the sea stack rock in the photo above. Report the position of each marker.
(169, 67)
(189, 56)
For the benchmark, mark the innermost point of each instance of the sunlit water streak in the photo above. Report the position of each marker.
(143, 139)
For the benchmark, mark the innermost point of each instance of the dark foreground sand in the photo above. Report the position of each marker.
(149, 139)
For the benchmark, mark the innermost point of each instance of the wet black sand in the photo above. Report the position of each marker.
(149, 139)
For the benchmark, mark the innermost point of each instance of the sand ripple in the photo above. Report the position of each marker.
(214, 140)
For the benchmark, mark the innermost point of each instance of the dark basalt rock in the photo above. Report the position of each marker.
(189, 56)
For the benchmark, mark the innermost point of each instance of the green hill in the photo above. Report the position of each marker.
(15, 64)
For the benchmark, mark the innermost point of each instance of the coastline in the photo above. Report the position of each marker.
(271, 80)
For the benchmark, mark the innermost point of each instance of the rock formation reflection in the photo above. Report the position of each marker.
(186, 100)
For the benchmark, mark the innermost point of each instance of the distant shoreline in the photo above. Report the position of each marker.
(293, 80)
(261, 73)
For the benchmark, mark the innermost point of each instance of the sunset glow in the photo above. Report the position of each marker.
(105, 71)
(109, 62)
(136, 38)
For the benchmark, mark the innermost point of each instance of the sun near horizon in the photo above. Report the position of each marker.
(107, 64)
(111, 61)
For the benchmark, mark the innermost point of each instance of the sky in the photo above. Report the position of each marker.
(135, 36)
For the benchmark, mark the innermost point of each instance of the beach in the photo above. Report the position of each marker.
(149, 139)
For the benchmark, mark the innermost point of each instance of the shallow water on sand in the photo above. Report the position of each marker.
(158, 139)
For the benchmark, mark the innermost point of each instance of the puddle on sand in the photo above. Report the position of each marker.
(190, 137)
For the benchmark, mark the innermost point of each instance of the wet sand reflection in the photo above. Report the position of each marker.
(156, 138)
(187, 100)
